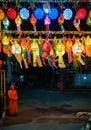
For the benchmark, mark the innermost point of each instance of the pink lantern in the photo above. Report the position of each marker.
(47, 22)
(81, 13)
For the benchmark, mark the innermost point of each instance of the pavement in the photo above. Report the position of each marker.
(42, 109)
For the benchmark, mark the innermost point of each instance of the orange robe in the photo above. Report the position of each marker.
(13, 101)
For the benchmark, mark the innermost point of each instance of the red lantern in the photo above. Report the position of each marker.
(11, 13)
(81, 13)
(61, 19)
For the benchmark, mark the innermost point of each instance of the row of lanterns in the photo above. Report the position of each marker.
(39, 14)
(44, 49)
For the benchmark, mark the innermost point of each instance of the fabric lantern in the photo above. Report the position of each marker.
(88, 46)
(47, 22)
(76, 23)
(88, 21)
(18, 22)
(16, 50)
(1, 18)
(34, 47)
(11, 13)
(60, 22)
(81, 13)
(5, 40)
(69, 49)
(46, 7)
(33, 21)
(6, 23)
(24, 13)
(60, 51)
(77, 50)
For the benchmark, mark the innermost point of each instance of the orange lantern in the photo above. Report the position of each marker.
(33, 21)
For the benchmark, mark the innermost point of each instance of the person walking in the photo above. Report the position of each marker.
(12, 100)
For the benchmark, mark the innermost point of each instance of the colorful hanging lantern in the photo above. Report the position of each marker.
(39, 13)
(16, 50)
(69, 49)
(1, 63)
(88, 21)
(77, 50)
(53, 13)
(46, 7)
(5, 40)
(47, 22)
(60, 49)
(18, 22)
(81, 13)
(88, 46)
(1, 14)
(76, 23)
(33, 21)
(24, 13)
(6, 23)
(34, 47)
(11, 13)
(67, 13)
(60, 22)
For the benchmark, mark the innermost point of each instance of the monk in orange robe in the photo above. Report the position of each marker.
(13, 100)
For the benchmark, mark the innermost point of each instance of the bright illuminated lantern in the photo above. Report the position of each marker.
(39, 13)
(81, 13)
(60, 22)
(24, 13)
(60, 49)
(6, 23)
(1, 14)
(18, 22)
(76, 23)
(5, 40)
(88, 21)
(67, 13)
(88, 46)
(47, 22)
(77, 51)
(46, 7)
(33, 21)
(53, 13)
(16, 50)
(34, 47)
(11, 13)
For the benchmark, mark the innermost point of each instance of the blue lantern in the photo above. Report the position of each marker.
(39, 13)
(53, 13)
(24, 13)
(67, 13)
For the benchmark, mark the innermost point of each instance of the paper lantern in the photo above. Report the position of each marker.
(16, 49)
(67, 13)
(11, 13)
(88, 46)
(6, 23)
(18, 22)
(5, 40)
(53, 13)
(46, 7)
(39, 13)
(88, 21)
(33, 21)
(24, 13)
(1, 14)
(60, 22)
(81, 13)
(47, 22)
(76, 23)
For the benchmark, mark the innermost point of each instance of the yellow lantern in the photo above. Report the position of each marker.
(5, 40)
(60, 52)
(18, 22)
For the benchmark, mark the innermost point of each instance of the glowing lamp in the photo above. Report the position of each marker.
(39, 13)
(46, 7)
(77, 47)
(11, 13)
(18, 22)
(67, 13)
(47, 22)
(61, 21)
(53, 13)
(1, 14)
(5, 40)
(16, 49)
(88, 21)
(33, 21)
(6, 23)
(24, 13)
(76, 23)
(81, 13)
